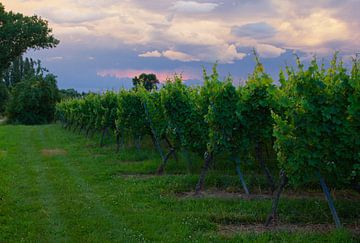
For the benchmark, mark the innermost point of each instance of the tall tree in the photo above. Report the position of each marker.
(22, 68)
(18, 33)
(149, 81)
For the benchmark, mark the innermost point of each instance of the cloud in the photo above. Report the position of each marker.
(179, 56)
(151, 54)
(222, 53)
(268, 51)
(72, 15)
(259, 30)
(170, 54)
(193, 7)
(311, 33)
(162, 75)
(56, 58)
(166, 25)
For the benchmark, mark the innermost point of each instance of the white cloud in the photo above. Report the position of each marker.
(170, 54)
(223, 53)
(266, 50)
(57, 58)
(312, 31)
(169, 27)
(151, 54)
(193, 7)
(72, 14)
(179, 56)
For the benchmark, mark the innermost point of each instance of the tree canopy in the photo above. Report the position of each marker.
(18, 33)
(149, 81)
(33, 100)
(22, 68)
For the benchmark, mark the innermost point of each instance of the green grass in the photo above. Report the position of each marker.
(81, 195)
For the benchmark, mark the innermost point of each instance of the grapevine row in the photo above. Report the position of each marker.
(311, 121)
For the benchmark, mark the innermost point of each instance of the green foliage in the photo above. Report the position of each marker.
(148, 81)
(314, 134)
(185, 123)
(256, 102)
(85, 194)
(68, 93)
(4, 96)
(131, 117)
(219, 102)
(312, 120)
(80, 112)
(154, 111)
(18, 33)
(354, 118)
(109, 105)
(22, 68)
(33, 101)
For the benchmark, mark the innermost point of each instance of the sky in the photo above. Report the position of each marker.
(104, 44)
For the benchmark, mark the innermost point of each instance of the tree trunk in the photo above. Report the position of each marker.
(207, 161)
(241, 177)
(266, 171)
(157, 146)
(188, 160)
(329, 200)
(153, 132)
(102, 137)
(87, 132)
(161, 168)
(171, 147)
(272, 216)
(117, 142)
(81, 129)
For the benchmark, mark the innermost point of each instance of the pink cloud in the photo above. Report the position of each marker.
(162, 75)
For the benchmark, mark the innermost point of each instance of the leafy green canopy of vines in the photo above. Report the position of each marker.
(89, 116)
(109, 105)
(185, 123)
(313, 118)
(257, 100)
(131, 118)
(314, 133)
(218, 104)
(154, 111)
(354, 119)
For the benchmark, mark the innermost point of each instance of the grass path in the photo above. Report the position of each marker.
(59, 187)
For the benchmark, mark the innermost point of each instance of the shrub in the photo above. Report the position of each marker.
(33, 100)
(4, 96)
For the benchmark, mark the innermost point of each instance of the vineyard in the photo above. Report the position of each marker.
(302, 132)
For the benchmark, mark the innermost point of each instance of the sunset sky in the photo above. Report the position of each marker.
(106, 43)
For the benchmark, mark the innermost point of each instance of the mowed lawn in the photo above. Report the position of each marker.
(58, 186)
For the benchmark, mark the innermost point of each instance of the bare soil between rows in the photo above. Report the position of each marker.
(230, 193)
(228, 230)
(216, 193)
(144, 175)
(53, 152)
